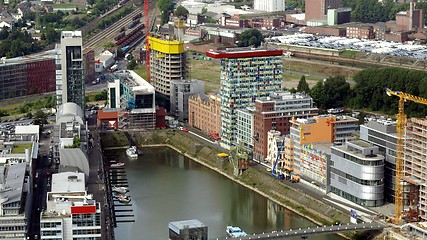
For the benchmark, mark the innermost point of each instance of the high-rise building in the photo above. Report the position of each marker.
(168, 62)
(357, 173)
(275, 113)
(415, 191)
(70, 81)
(269, 5)
(246, 74)
(317, 9)
(71, 213)
(382, 133)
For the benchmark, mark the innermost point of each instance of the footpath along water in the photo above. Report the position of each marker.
(165, 186)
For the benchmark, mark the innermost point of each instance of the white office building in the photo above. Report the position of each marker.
(269, 5)
(245, 128)
(70, 213)
(70, 82)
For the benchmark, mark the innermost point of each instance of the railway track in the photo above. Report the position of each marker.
(111, 31)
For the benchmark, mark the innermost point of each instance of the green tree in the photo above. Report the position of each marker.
(108, 45)
(303, 85)
(131, 64)
(181, 11)
(52, 35)
(40, 118)
(120, 53)
(101, 95)
(251, 37)
(332, 92)
(3, 113)
(204, 10)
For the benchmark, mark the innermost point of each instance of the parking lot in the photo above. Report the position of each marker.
(363, 45)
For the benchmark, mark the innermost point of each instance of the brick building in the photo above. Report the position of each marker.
(360, 30)
(275, 113)
(204, 113)
(317, 9)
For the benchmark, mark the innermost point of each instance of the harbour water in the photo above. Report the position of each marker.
(165, 186)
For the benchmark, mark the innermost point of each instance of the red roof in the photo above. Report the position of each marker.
(83, 209)
(244, 53)
(107, 115)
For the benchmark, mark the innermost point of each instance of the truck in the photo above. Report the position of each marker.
(274, 172)
(113, 68)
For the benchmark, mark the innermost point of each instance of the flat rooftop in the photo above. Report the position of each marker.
(132, 80)
(178, 225)
(68, 182)
(244, 53)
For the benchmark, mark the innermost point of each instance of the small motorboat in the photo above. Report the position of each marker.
(117, 164)
(132, 152)
(123, 198)
(121, 190)
(235, 232)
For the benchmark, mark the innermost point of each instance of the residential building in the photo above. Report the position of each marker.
(70, 82)
(275, 147)
(415, 169)
(382, 133)
(168, 62)
(360, 30)
(106, 60)
(309, 143)
(70, 213)
(245, 128)
(246, 74)
(27, 75)
(15, 207)
(134, 98)
(275, 112)
(269, 5)
(181, 90)
(357, 173)
(204, 112)
(89, 64)
(317, 9)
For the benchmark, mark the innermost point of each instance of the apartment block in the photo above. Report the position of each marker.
(204, 112)
(246, 74)
(360, 30)
(382, 133)
(70, 76)
(134, 98)
(71, 213)
(415, 153)
(245, 128)
(168, 62)
(27, 75)
(357, 173)
(181, 90)
(275, 112)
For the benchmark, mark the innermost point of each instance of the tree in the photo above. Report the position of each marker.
(332, 92)
(251, 37)
(303, 85)
(120, 53)
(90, 2)
(108, 45)
(40, 118)
(131, 64)
(204, 10)
(181, 11)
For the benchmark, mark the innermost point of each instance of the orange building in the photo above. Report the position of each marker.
(204, 113)
(307, 148)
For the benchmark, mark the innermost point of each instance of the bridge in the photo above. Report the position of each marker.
(304, 233)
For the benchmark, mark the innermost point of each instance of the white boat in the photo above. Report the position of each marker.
(117, 164)
(234, 232)
(132, 152)
(121, 190)
(123, 199)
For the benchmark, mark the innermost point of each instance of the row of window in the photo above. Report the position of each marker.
(357, 160)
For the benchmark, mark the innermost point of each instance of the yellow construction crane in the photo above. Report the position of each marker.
(400, 129)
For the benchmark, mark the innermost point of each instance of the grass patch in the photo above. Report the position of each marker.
(113, 139)
(20, 148)
(141, 71)
(348, 53)
(208, 71)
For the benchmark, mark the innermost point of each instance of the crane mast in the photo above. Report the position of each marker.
(147, 43)
(400, 130)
